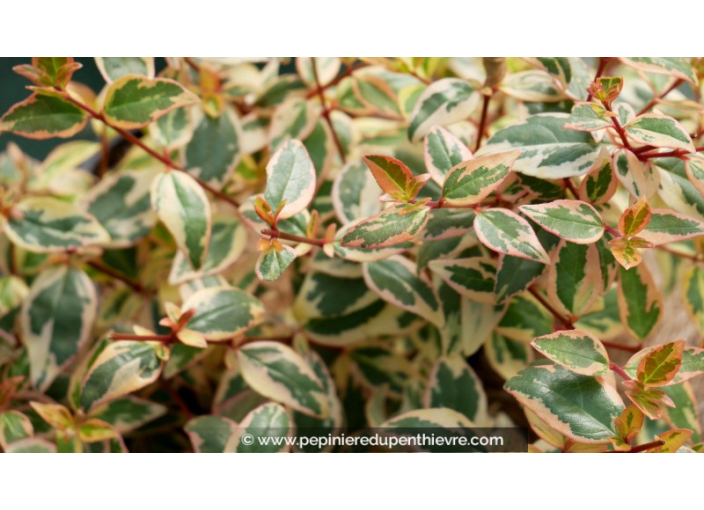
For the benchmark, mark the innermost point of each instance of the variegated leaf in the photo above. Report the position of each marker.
(290, 179)
(46, 225)
(326, 69)
(667, 226)
(183, 207)
(395, 280)
(588, 117)
(504, 231)
(215, 148)
(394, 225)
(228, 241)
(393, 176)
(121, 368)
(13, 292)
(549, 150)
(121, 204)
(693, 293)
(279, 373)
(31, 445)
(14, 426)
(446, 223)
(694, 167)
(133, 102)
(128, 413)
(44, 116)
(600, 183)
(660, 365)
(580, 407)
(472, 181)
(660, 131)
(210, 434)
(443, 151)
(639, 301)
(576, 350)
(222, 312)
(273, 262)
(639, 179)
(355, 193)
(444, 102)
(113, 68)
(429, 418)
(672, 66)
(454, 385)
(532, 85)
(574, 278)
(572, 220)
(473, 277)
(685, 414)
(293, 119)
(635, 218)
(57, 320)
(508, 357)
(264, 430)
(173, 130)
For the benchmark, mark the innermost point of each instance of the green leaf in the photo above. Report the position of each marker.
(273, 262)
(114, 68)
(395, 280)
(279, 373)
(31, 445)
(524, 319)
(228, 241)
(429, 418)
(14, 426)
(572, 220)
(290, 179)
(639, 301)
(442, 152)
(57, 320)
(326, 68)
(293, 119)
(576, 350)
(48, 225)
(600, 183)
(133, 102)
(210, 434)
(44, 116)
(215, 148)
(454, 385)
(122, 367)
(672, 66)
(635, 218)
(394, 225)
(504, 231)
(183, 207)
(13, 292)
(574, 278)
(472, 181)
(446, 223)
(222, 312)
(659, 130)
(473, 277)
(355, 194)
(694, 166)
(685, 414)
(172, 130)
(580, 407)
(121, 204)
(693, 293)
(667, 226)
(264, 430)
(660, 365)
(444, 102)
(128, 413)
(549, 150)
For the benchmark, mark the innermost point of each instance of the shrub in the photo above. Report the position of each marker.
(354, 242)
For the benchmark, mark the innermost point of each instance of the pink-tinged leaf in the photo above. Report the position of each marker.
(627, 251)
(472, 181)
(694, 166)
(504, 231)
(635, 218)
(667, 226)
(640, 180)
(660, 131)
(600, 183)
(673, 439)
(394, 225)
(660, 366)
(44, 116)
(393, 177)
(577, 350)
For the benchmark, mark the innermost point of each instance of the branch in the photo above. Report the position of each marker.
(620, 347)
(291, 237)
(326, 111)
(139, 143)
(337, 80)
(620, 371)
(99, 266)
(659, 97)
(141, 338)
(482, 121)
(564, 320)
(641, 447)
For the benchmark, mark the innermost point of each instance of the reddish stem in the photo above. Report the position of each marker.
(564, 320)
(659, 97)
(621, 347)
(620, 371)
(99, 266)
(291, 237)
(642, 447)
(326, 110)
(568, 184)
(482, 121)
(670, 154)
(600, 70)
(338, 79)
(142, 338)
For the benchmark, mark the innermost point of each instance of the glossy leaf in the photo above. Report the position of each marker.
(504, 231)
(576, 350)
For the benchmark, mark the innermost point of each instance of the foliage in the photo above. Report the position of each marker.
(341, 242)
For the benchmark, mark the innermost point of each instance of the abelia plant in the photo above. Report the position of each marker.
(337, 243)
